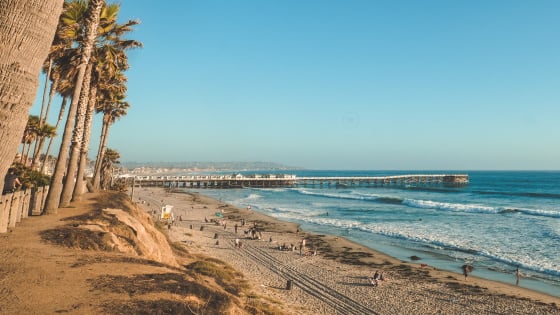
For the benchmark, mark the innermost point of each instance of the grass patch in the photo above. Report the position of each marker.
(224, 275)
(179, 249)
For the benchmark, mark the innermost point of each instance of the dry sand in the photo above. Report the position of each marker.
(335, 280)
(57, 264)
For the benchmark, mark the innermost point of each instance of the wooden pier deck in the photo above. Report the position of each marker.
(277, 181)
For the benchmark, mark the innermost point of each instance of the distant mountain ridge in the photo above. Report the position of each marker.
(217, 166)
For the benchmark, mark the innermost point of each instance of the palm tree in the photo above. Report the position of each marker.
(62, 75)
(29, 135)
(91, 26)
(110, 60)
(60, 116)
(79, 188)
(110, 158)
(43, 131)
(112, 109)
(25, 26)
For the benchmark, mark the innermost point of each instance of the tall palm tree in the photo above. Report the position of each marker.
(110, 60)
(60, 116)
(29, 135)
(79, 188)
(112, 109)
(25, 26)
(91, 25)
(110, 158)
(44, 131)
(107, 20)
(62, 77)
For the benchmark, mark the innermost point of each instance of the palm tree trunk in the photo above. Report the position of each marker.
(101, 152)
(26, 159)
(77, 140)
(22, 152)
(79, 189)
(60, 116)
(43, 120)
(45, 92)
(55, 191)
(37, 153)
(39, 142)
(27, 30)
(34, 157)
(52, 93)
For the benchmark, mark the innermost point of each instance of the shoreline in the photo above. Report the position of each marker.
(431, 240)
(445, 262)
(348, 262)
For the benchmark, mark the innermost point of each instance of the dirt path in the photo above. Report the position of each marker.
(37, 277)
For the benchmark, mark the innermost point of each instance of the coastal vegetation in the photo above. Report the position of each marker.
(85, 66)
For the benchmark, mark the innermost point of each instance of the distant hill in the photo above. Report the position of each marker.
(214, 166)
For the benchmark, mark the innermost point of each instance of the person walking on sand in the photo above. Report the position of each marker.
(466, 270)
(518, 276)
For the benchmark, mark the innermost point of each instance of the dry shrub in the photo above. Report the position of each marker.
(224, 275)
(196, 298)
(72, 237)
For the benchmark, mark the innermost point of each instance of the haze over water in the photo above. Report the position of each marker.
(499, 221)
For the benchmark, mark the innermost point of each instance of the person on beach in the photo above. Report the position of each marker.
(466, 270)
(374, 279)
(518, 276)
(11, 182)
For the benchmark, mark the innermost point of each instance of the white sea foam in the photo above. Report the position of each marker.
(544, 213)
(253, 197)
(457, 207)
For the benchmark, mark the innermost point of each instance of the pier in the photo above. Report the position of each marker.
(283, 180)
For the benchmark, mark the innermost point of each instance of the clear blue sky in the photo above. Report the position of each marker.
(344, 84)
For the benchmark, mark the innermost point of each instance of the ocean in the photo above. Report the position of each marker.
(499, 221)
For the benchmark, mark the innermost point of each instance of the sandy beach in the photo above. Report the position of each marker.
(330, 274)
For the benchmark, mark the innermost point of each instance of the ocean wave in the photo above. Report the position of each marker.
(541, 213)
(545, 266)
(276, 189)
(518, 194)
(455, 207)
(349, 195)
(252, 197)
(393, 200)
(295, 212)
(430, 204)
(475, 208)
